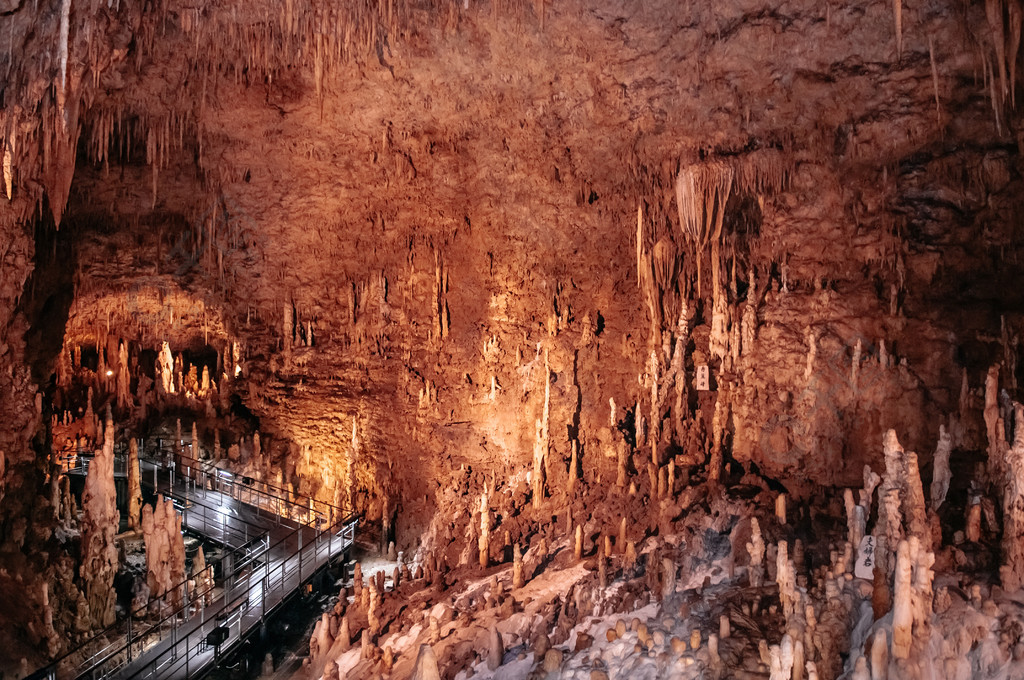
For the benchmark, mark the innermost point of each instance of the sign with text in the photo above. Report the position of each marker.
(703, 377)
(866, 559)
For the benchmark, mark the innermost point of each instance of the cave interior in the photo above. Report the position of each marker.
(622, 340)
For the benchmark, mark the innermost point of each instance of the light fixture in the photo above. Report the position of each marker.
(109, 373)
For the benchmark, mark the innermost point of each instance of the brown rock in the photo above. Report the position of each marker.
(583, 642)
(552, 660)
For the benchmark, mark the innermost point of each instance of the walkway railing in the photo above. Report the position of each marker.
(256, 577)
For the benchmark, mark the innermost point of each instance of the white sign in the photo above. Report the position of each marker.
(703, 377)
(866, 559)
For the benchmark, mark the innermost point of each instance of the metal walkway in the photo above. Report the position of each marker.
(274, 543)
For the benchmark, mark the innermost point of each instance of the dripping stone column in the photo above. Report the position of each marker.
(99, 525)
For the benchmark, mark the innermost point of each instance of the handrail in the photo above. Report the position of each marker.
(271, 581)
(230, 590)
(229, 581)
(282, 493)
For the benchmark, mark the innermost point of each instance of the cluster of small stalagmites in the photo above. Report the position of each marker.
(165, 553)
(873, 602)
(365, 618)
(99, 526)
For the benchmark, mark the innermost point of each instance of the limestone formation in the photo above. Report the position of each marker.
(425, 667)
(902, 615)
(756, 549)
(941, 474)
(1012, 571)
(202, 574)
(134, 484)
(165, 552)
(99, 526)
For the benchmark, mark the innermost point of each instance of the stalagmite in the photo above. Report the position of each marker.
(321, 641)
(996, 441)
(203, 576)
(668, 584)
(941, 474)
(902, 613)
(856, 526)
(812, 353)
(860, 670)
(124, 391)
(287, 331)
(629, 556)
(99, 525)
(426, 665)
(578, 543)
(879, 656)
(573, 468)
(496, 650)
(915, 510)
(786, 578)
(715, 465)
(344, 637)
(134, 484)
(165, 368)
(972, 527)
(165, 551)
(756, 549)
(517, 568)
(372, 616)
(855, 369)
(542, 445)
(622, 473)
(485, 530)
(1012, 571)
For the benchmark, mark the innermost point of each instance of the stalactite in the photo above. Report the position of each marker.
(935, 79)
(994, 14)
(1016, 15)
(9, 169)
(702, 191)
(897, 12)
(62, 41)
